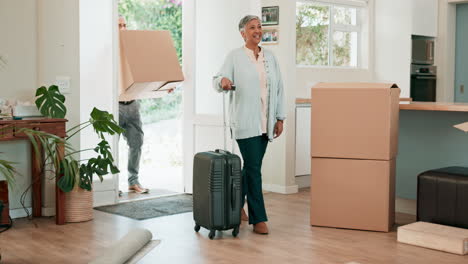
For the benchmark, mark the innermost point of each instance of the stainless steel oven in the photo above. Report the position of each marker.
(423, 83)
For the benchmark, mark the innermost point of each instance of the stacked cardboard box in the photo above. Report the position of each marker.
(354, 140)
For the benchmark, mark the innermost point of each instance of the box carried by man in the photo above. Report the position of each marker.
(148, 64)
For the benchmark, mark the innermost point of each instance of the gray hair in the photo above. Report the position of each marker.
(246, 20)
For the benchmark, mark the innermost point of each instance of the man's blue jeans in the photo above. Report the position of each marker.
(130, 120)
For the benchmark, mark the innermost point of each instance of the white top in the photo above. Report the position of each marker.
(260, 67)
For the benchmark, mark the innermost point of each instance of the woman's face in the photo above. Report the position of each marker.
(252, 32)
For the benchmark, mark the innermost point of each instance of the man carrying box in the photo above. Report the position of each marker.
(135, 85)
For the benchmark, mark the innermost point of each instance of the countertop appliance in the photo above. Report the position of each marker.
(422, 51)
(423, 83)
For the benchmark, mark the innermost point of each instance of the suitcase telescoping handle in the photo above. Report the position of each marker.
(233, 88)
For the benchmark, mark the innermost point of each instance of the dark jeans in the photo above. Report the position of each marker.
(252, 150)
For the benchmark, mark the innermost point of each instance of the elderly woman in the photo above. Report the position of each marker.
(258, 113)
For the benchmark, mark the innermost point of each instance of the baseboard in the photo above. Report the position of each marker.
(406, 206)
(48, 211)
(104, 198)
(20, 213)
(280, 188)
(303, 181)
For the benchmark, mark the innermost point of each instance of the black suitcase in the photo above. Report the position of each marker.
(217, 188)
(217, 191)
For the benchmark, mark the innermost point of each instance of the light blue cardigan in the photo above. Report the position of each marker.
(246, 113)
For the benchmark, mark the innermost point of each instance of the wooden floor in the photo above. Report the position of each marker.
(291, 240)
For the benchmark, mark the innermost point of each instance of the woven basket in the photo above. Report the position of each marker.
(78, 205)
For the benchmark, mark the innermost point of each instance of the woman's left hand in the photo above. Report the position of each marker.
(278, 128)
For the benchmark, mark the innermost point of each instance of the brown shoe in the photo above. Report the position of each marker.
(138, 189)
(261, 228)
(244, 216)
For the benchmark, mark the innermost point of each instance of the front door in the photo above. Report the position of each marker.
(209, 33)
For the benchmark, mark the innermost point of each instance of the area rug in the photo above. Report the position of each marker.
(156, 207)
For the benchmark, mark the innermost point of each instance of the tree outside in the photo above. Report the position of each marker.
(312, 35)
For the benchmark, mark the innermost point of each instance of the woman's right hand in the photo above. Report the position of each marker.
(226, 84)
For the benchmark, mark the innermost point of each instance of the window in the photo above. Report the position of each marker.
(328, 34)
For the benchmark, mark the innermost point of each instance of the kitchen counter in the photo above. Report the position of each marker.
(406, 104)
(434, 106)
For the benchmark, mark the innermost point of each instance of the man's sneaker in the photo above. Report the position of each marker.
(138, 189)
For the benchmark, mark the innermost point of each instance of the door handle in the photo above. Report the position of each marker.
(462, 88)
(426, 77)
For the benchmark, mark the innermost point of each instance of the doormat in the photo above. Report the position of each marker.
(156, 207)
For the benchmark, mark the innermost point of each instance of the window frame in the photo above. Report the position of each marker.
(360, 9)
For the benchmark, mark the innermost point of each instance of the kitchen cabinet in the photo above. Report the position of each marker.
(424, 14)
(303, 139)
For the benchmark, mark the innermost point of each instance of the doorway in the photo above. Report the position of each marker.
(161, 163)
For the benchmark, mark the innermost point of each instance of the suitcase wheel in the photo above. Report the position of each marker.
(196, 228)
(235, 232)
(212, 233)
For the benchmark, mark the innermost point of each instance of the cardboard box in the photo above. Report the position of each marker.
(434, 236)
(354, 194)
(148, 64)
(355, 120)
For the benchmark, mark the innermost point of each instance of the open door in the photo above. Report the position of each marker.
(210, 31)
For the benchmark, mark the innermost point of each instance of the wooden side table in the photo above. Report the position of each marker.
(53, 126)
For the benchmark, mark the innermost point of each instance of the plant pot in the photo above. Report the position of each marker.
(78, 205)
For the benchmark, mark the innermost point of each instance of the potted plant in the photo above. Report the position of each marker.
(76, 175)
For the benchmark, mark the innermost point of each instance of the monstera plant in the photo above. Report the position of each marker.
(75, 172)
(8, 170)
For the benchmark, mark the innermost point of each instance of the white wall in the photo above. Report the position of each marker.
(18, 80)
(424, 17)
(208, 21)
(58, 55)
(307, 76)
(18, 47)
(98, 30)
(41, 42)
(278, 165)
(393, 43)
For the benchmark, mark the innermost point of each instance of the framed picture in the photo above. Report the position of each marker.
(270, 15)
(270, 35)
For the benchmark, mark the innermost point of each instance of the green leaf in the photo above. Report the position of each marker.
(103, 122)
(50, 102)
(114, 169)
(69, 171)
(7, 169)
(86, 177)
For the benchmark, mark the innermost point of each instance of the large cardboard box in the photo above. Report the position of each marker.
(355, 120)
(354, 194)
(148, 64)
(440, 237)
